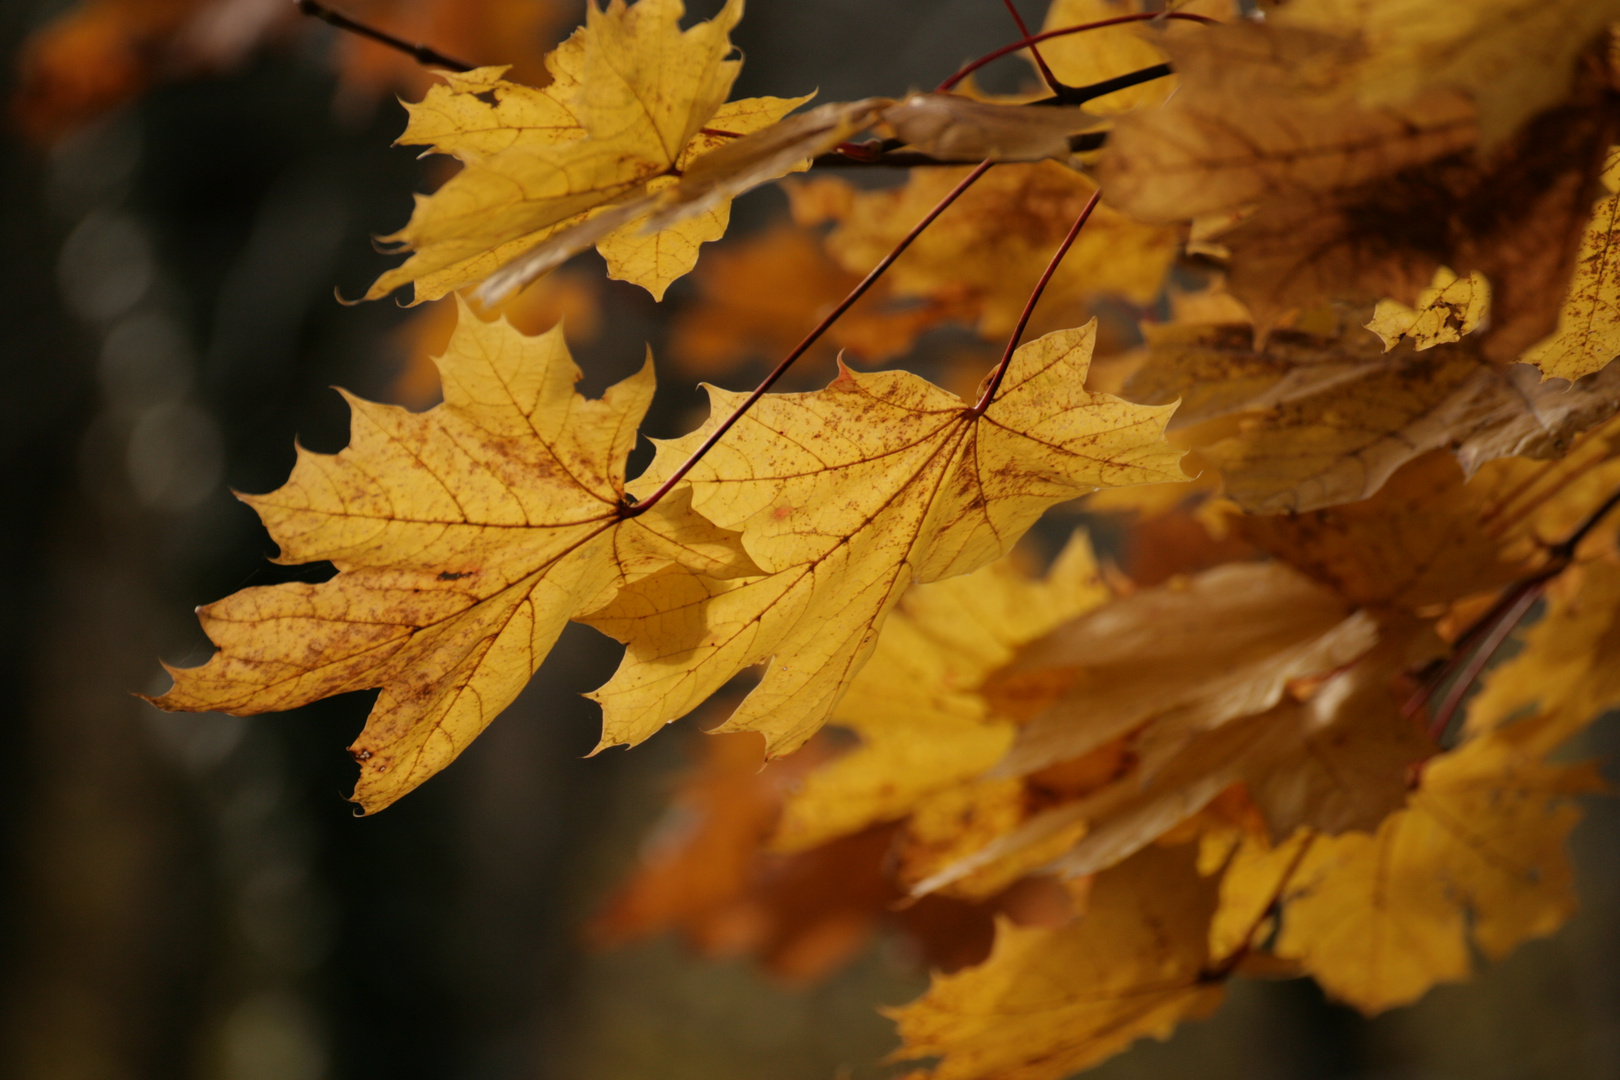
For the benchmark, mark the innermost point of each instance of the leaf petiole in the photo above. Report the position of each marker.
(1040, 61)
(1000, 370)
(630, 510)
(996, 54)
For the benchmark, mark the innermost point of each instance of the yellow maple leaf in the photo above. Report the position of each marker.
(1588, 334)
(1477, 857)
(473, 115)
(1449, 308)
(922, 728)
(1515, 57)
(996, 239)
(631, 95)
(845, 497)
(1051, 1002)
(465, 538)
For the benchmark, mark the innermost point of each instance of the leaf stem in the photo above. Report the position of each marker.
(1000, 371)
(631, 510)
(1522, 598)
(1040, 61)
(1031, 39)
(425, 55)
(1476, 645)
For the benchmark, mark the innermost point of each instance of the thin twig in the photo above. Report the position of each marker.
(1506, 623)
(1032, 39)
(1475, 646)
(641, 507)
(425, 55)
(1040, 61)
(1029, 307)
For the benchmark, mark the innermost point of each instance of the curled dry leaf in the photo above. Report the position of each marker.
(1325, 425)
(1239, 634)
(465, 537)
(1428, 539)
(1050, 1002)
(708, 181)
(1418, 544)
(956, 128)
(922, 726)
(1301, 709)
(845, 497)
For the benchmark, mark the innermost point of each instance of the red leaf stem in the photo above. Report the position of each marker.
(632, 510)
(974, 65)
(1000, 371)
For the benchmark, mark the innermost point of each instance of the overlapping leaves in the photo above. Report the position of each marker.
(1248, 763)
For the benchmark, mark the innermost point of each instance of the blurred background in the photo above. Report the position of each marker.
(183, 184)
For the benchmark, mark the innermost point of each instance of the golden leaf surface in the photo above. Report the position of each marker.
(465, 537)
(1475, 859)
(922, 726)
(1449, 308)
(995, 241)
(1514, 57)
(1588, 334)
(476, 114)
(845, 497)
(639, 90)
(1051, 1002)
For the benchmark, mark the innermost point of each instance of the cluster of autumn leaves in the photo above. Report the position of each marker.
(1370, 423)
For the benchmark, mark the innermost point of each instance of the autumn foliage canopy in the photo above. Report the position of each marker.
(1313, 308)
